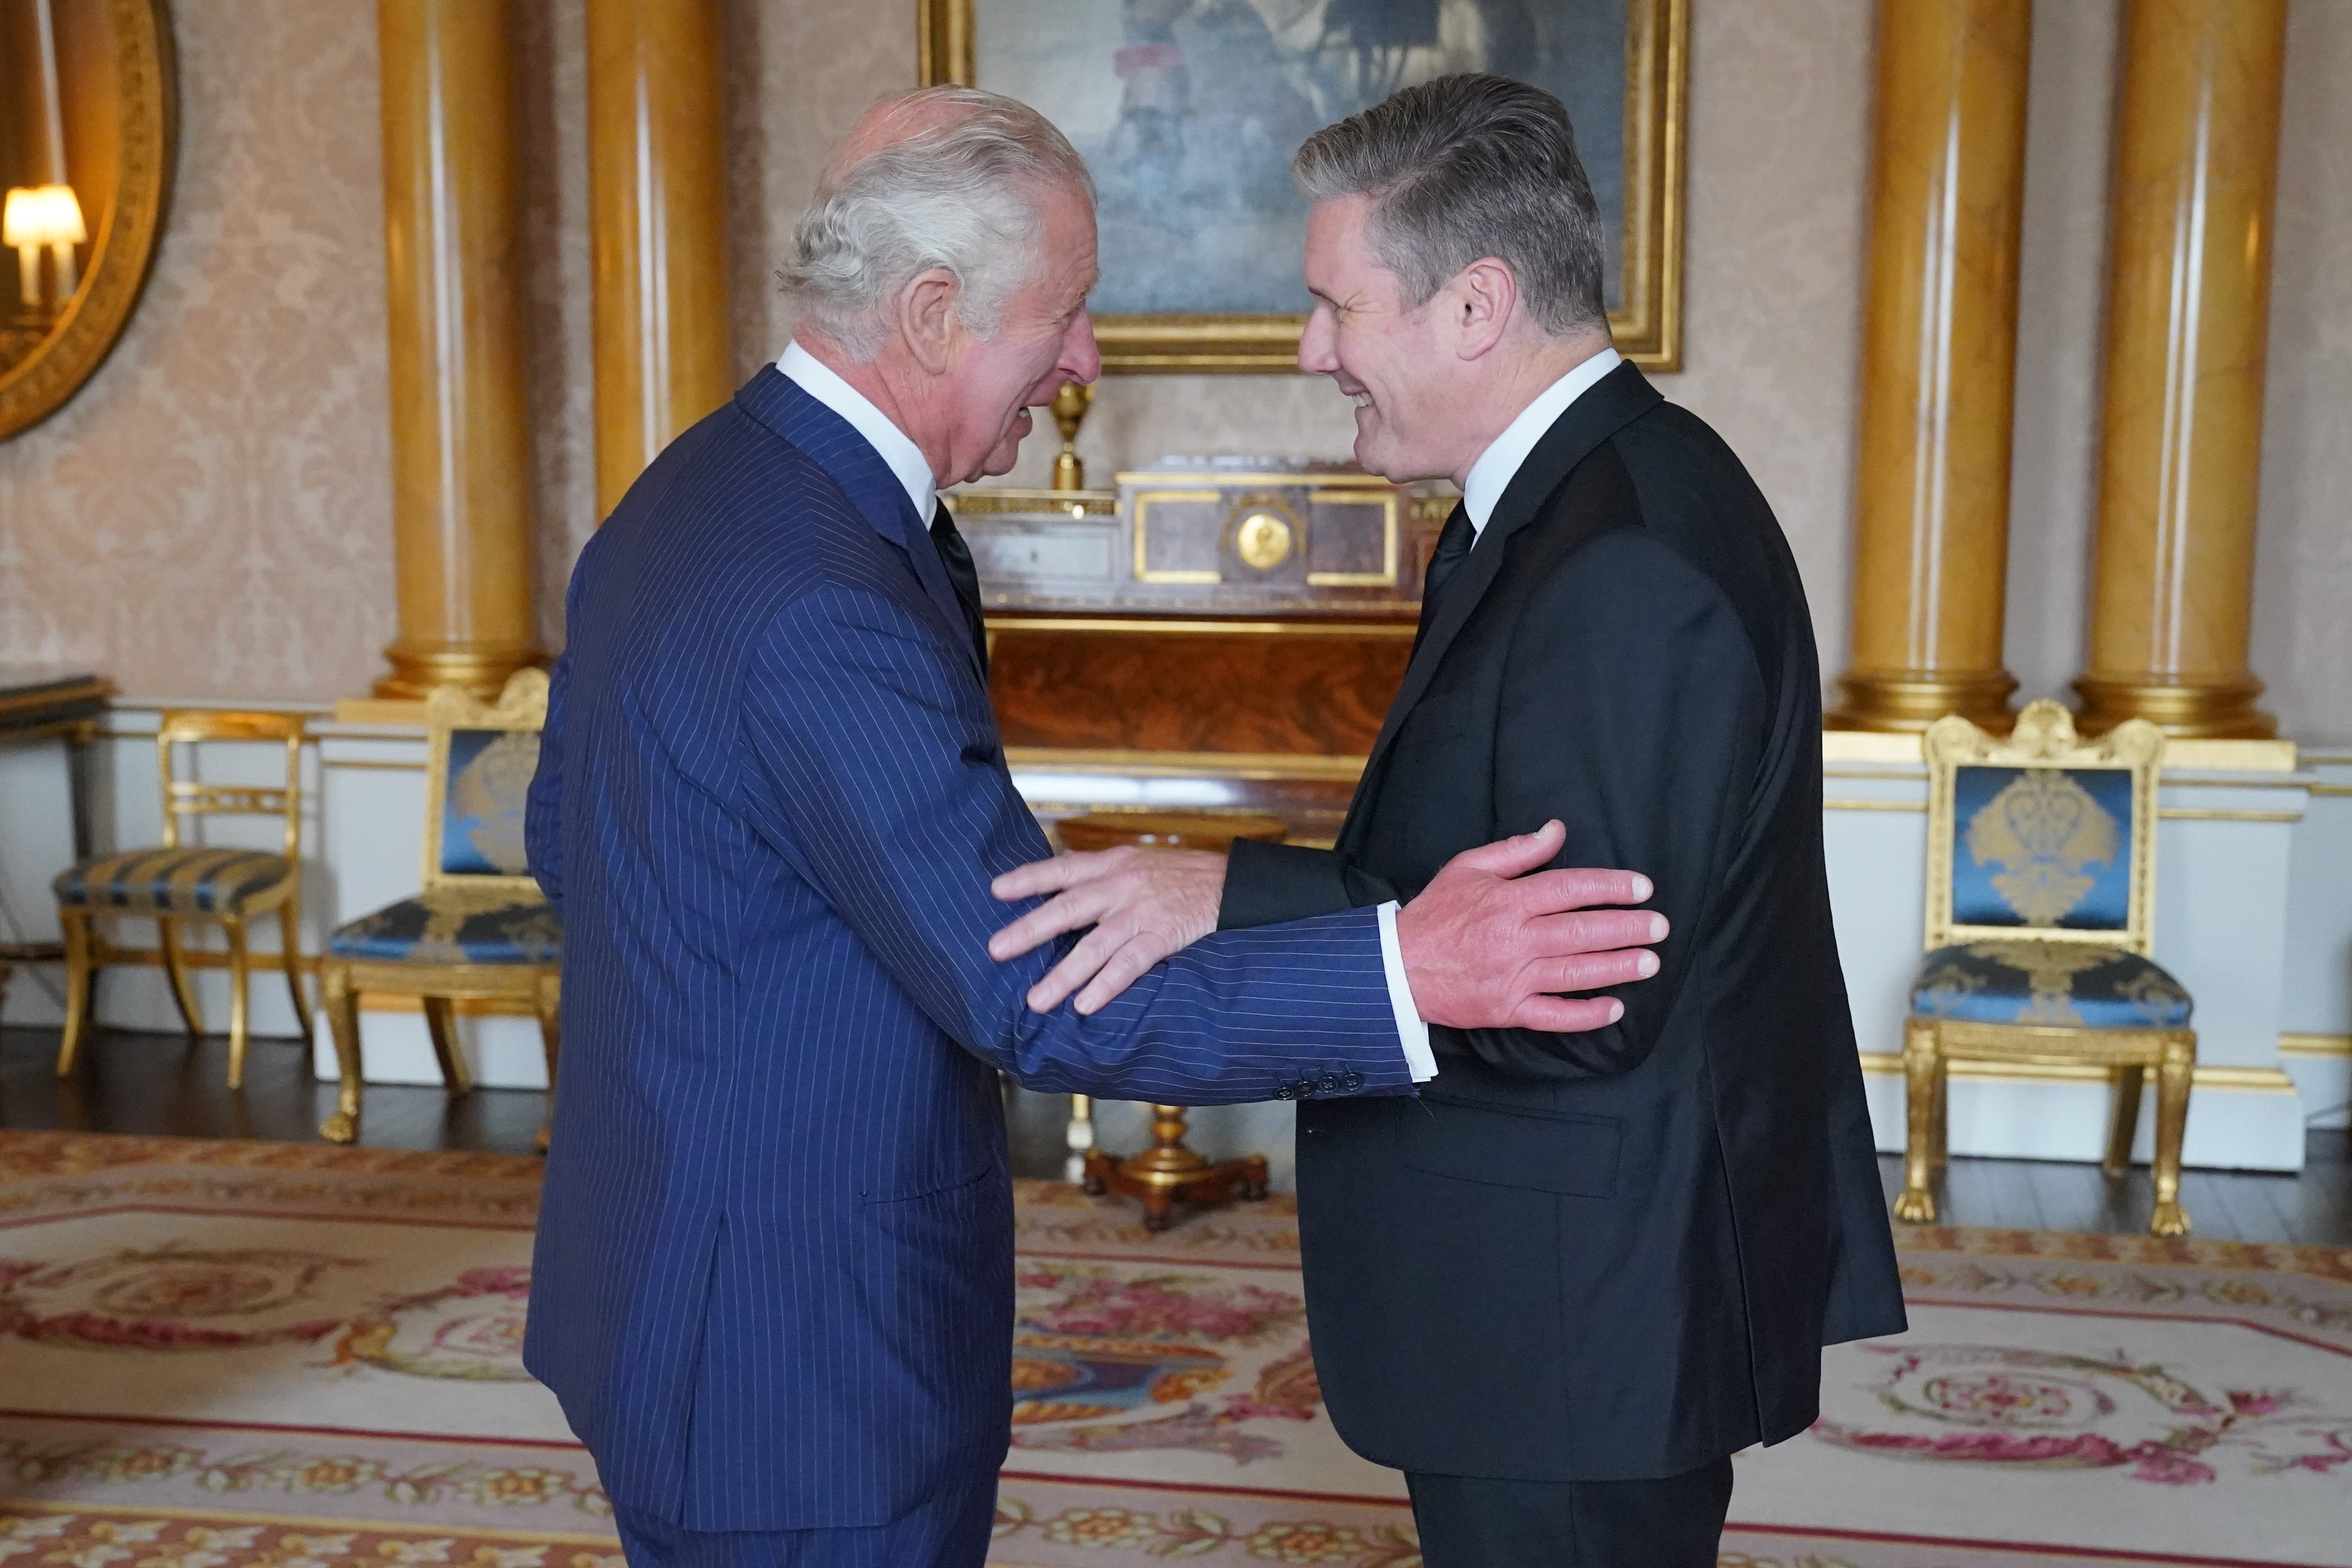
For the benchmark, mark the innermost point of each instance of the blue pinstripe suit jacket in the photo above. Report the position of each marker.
(773, 1275)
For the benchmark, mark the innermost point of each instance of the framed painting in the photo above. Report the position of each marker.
(1188, 112)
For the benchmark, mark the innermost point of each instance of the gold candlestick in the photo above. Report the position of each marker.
(1070, 405)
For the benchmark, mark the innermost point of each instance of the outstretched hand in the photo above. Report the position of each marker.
(1488, 946)
(1143, 904)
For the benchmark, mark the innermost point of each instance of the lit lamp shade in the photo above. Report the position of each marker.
(42, 215)
(36, 215)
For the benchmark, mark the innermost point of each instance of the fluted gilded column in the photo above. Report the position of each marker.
(1939, 351)
(657, 216)
(2196, 169)
(461, 442)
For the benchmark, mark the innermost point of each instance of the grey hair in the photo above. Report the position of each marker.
(956, 193)
(1466, 167)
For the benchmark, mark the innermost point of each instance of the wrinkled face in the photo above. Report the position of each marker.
(1380, 352)
(1044, 339)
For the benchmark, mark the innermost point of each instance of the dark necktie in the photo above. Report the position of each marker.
(1454, 543)
(962, 576)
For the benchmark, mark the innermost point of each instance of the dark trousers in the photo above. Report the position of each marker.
(1676, 1523)
(948, 1530)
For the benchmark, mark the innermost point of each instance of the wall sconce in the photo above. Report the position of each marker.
(36, 215)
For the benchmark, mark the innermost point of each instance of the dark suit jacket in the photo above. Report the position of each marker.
(1613, 1255)
(773, 1278)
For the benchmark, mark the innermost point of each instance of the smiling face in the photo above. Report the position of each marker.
(1386, 354)
(1044, 338)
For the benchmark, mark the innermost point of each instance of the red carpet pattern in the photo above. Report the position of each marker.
(244, 1355)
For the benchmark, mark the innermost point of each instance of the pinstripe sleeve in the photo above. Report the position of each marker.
(875, 774)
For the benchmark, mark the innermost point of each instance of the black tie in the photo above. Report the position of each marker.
(1454, 543)
(962, 576)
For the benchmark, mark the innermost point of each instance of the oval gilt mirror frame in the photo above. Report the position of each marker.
(123, 240)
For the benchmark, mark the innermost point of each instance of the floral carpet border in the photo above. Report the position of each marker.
(25, 1155)
(2332, 1263)
(47, 1175)
(35, 1535)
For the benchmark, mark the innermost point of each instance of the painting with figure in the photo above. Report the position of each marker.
(1188, 112)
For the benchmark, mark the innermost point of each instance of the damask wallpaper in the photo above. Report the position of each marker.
(211, 517)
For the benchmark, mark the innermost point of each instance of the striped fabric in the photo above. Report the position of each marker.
(773, 1281)
(171, 881)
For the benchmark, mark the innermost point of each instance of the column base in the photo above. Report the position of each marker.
(1909, 702)
(2219, 708)
(480, 671)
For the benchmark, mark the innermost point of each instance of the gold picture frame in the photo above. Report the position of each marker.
(1647, 324)
(123, 243)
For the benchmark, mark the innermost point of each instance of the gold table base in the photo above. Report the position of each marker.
(1169, 1174)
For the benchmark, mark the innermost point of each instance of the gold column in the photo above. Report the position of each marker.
(1938, 357)
(658, 215)
(2196, 169)
(460, 443)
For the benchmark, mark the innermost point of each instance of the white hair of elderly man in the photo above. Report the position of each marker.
(956, 193)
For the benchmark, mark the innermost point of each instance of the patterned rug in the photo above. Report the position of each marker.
(245, 1355)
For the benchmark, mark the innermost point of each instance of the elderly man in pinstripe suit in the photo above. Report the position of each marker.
(773, 1278)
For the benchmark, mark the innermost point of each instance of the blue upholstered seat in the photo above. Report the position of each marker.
(456, 925)
(189, 881)
(2074, 984)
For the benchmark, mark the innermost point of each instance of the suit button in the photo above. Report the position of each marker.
(1327, 1084)
(1353, 1081)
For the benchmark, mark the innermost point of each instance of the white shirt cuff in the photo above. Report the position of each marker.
(1419, 1059)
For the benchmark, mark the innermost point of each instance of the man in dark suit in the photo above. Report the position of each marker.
(773, 1275)
(1563, 1286)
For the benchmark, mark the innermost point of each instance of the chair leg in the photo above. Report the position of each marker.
(441, 1018)
(2172, 1080)
(548, 1001)
(176, 966)
(240, 964)
(2123, 1120)
(1921, 1062)
(343, 1004)
(81, 983)
(289, 955)
(1940, 1146)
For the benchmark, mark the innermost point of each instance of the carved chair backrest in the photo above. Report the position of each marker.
(188, 797)
(2041, 835)
(478, 762)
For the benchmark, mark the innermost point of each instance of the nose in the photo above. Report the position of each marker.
(1319, 345)
(1080, 357)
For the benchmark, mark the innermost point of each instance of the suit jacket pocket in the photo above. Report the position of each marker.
(1540, 1150)
(910, 1188)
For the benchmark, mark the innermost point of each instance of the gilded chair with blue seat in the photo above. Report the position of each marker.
(478, 930)
(2041, 915)
(184, 882)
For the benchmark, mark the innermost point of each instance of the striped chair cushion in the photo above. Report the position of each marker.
(172, 881)
(456, 925)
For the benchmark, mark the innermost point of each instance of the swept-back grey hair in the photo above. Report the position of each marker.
(957, 194)
(1466, 167)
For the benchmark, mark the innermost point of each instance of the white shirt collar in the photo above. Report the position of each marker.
(1492, 474)
(896, 449)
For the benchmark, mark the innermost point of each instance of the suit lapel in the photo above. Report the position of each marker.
(1610, 405)
(833, 444)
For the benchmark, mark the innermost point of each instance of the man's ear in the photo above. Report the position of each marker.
(1480, 302)
(927, 317)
